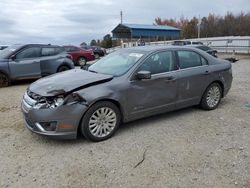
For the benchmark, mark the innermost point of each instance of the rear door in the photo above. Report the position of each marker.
(193, 72)
(48, 60)
(26, 63)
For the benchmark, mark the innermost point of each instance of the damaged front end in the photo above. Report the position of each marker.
(55, 116)
(41, 102)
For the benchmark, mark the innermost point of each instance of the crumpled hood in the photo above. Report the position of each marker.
(66, 82)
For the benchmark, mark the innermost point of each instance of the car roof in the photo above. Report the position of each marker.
(196, 45)
(40, 45)
(147, 49)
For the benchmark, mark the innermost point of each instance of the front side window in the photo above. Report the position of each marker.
(48, 51)
(188, 59)
(159, 63)
(29, 53)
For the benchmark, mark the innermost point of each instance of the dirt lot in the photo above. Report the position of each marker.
(187, 148)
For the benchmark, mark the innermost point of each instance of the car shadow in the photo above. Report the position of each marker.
(22, 82)
(125, 127)
(148, 121)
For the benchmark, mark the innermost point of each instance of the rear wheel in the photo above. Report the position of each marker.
(4, 80)
(63, 68)
(212, 97)
(81, 61)
(101, 121)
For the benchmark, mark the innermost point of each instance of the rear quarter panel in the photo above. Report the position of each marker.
(222, 72)
(51, 65)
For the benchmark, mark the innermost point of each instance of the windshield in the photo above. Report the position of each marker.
(116, 64)
(8, 51)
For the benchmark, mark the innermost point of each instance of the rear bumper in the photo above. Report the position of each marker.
(65, 118)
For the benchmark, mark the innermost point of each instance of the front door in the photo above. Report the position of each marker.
(155, 95)
(26, 63)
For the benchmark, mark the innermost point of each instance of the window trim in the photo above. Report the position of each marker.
(178, 60)
(150, 55)
(22, 49)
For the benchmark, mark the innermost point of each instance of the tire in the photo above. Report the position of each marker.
(97, 56)
(95, 126)
(212, 97)
(63, 68)
(81, 61)
(4, 80)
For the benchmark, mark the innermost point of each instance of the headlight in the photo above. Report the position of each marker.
(70, 99)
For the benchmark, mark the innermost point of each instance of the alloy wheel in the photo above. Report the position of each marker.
(213, 96)
(82, 61)
(102, 122)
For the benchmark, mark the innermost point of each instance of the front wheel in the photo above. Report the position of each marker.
(4, 80)
(101, 121)
(212, 97)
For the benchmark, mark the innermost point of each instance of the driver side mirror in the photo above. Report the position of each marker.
(13, 57)
(141, 75)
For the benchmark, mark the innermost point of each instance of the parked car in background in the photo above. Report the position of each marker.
(185, 42)
(32, 61)
(125, 85)
(98, 51)
(206, 49)
(3, 47)
(80, 56)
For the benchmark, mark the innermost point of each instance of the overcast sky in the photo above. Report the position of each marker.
(75, 21)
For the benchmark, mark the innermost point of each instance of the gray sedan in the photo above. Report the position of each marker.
(126, 85)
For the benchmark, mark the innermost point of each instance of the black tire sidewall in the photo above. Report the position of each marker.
(204, 104)
(85, 120)
(7, 80)
(61, 67)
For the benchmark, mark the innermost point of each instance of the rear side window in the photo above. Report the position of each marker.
(188, 59)
(32, 52)
(48, 51)
(159, 63)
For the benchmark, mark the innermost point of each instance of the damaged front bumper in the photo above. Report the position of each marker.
(61, 122)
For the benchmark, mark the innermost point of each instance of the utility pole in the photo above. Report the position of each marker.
(199, 26)
(121, 14)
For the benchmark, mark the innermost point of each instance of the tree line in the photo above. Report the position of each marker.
(210, 26)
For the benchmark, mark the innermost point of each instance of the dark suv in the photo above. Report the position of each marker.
(32, 61)
(98, 51)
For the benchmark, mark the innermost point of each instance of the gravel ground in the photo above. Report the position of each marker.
(186, 148)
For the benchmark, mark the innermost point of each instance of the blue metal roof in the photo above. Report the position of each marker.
(154, 27)
(140, 30)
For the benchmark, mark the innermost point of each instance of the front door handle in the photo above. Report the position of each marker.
(206, 72)
(170, 78)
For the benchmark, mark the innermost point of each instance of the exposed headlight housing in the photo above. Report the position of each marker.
(70, 99)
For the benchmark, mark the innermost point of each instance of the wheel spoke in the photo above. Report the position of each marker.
(102, 122)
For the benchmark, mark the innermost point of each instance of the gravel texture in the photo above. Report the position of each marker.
(187, 148)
